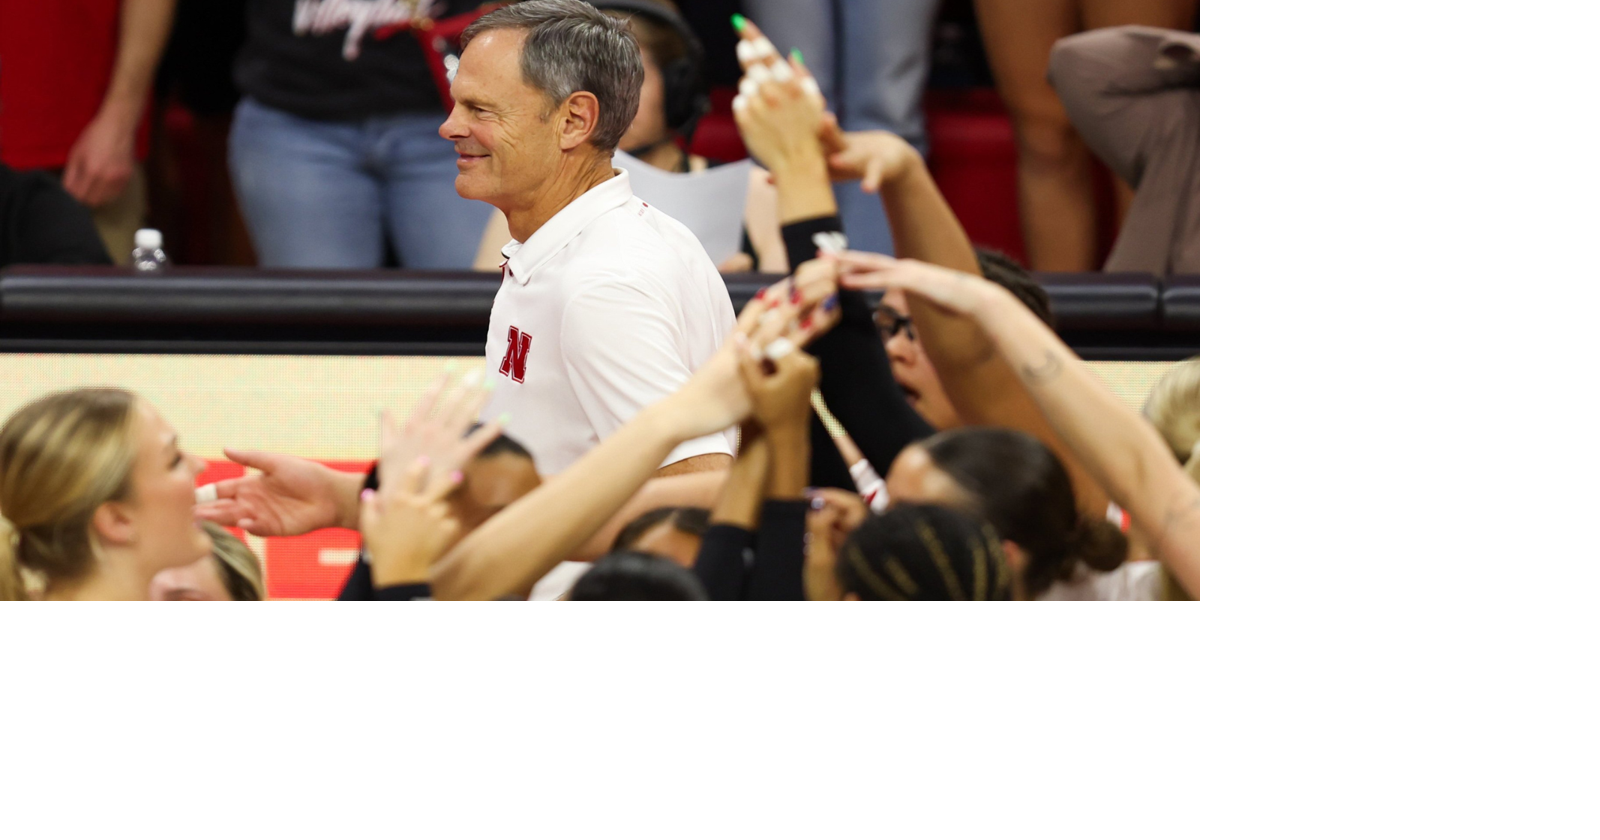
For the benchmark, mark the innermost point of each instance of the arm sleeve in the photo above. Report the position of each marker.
(405, 592)
(358, 586)
(860, 390)
(1115, 84)
(720, 565)
(621, 347)
(778, 574)
(856, 381)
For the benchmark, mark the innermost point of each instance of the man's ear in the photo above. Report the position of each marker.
(112, 524)
(580, 116)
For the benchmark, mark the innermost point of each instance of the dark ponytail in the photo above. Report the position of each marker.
(1018, 485)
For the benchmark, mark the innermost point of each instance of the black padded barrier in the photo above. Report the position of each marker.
(90, 309)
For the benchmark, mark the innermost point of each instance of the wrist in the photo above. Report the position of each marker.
(121, 112)
(808, 164)
(399, 571)
(347, 498)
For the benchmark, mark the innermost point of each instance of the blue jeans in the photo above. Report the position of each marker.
(325, 194)
(871, 60)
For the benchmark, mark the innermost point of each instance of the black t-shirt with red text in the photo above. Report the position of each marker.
(318, 59)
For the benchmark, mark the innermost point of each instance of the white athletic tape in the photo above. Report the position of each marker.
(740, 102)
(748, 87)
(782, 71)
(746, 50)
(778, 348)
(759, 74)
(809, 85)
(205, 494)
(764, 48)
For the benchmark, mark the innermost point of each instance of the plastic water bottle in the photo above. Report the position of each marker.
(147, 253)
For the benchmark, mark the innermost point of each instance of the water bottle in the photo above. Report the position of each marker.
(147, 253)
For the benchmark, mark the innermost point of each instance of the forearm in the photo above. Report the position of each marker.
(145, 25)
(1121, 451)
(804, 191)
(922, 223)
(791, 458)
(347, 497)
(693, 490)
(519, 545)
(740, 502)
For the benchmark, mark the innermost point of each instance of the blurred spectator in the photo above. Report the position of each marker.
(74, 100)
(1055, 173)
(870, 58)
(1134, 94)
(335, 147)
(40, 223)
(191, 194)
(633, 576)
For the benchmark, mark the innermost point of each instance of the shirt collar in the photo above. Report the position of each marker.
(525, 258)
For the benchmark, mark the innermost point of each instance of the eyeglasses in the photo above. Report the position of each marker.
(890, 323)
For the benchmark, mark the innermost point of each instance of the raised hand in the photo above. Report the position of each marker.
(407, 525)
(288, 497)
(833, 516)
(961, 294)
(871, 157)
(779, 378)
(436, 429)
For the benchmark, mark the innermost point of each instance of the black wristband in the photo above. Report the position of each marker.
(797, 237)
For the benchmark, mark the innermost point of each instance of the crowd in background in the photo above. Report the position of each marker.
(941, 443)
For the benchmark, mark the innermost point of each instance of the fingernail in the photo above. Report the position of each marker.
(450, 366)
(762, 295)
(831, 302)
(806, 324)
(366, 494)
(818, 503)
(795, 55)
(795, 298)
(738, 23)
(504, 419)
(455, 477)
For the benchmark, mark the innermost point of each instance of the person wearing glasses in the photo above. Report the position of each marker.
(913, 372)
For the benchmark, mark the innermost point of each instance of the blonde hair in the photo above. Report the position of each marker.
(237, 565)
(61, 457)
(1173, 407)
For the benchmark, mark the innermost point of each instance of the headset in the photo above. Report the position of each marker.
(687, 95)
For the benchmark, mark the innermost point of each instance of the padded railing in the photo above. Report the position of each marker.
(86, 309)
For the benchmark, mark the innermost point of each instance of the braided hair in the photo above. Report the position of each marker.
(924, 553)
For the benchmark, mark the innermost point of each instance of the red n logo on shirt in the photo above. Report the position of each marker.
(515, 364)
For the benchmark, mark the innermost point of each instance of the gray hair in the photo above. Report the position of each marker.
(572, 46)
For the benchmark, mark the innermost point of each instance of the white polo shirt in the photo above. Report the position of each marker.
(607, 308)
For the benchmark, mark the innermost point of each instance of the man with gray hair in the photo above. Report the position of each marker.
(606, 304)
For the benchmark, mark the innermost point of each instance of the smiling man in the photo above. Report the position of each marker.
(606, 304)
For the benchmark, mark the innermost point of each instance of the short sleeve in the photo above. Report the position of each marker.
(622, 348)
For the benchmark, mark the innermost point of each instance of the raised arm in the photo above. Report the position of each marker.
(1115, 445)
(518, 545)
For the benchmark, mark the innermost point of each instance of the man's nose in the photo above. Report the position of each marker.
(451, 127)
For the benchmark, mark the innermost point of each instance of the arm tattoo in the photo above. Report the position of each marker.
(1047, 369)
